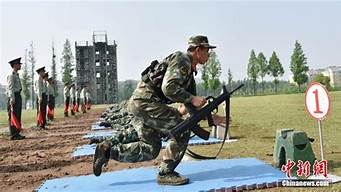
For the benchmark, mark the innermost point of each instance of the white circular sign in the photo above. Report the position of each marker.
(317, 100)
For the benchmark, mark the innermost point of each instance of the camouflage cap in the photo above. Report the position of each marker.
(199, 40)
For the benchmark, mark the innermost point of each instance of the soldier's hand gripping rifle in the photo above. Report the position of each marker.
(204, 113)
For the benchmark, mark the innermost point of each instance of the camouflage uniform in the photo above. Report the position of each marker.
(152, 115)
(162, 83)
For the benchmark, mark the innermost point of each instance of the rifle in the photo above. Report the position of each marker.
(196, 116)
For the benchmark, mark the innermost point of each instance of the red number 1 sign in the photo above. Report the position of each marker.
(317, 101)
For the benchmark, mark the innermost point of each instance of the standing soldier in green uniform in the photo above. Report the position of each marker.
(78, 99)
(171, 81)
(51, 99)
(45, 80)
(66, 99)
(41, 92)
(14, 98)
(83, 99)
(73, 98)
(88, 99)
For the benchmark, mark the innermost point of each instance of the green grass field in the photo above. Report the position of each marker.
(256, 119)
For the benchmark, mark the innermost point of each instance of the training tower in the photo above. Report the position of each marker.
(96, 67)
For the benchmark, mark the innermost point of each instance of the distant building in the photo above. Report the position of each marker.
(333, 72)
(96, 67)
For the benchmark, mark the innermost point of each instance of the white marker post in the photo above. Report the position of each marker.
(317, 102)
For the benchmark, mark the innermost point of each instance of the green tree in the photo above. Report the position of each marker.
(25, 81)
(67, 60)
(53, 71)
(253, 70)
(32, 61)
(298, 65)
(229, 78)
(275, 69)
(204, 78)
(213, 71)
(325, 80)
(263, 67)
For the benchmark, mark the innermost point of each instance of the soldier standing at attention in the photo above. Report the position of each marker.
(66, 99)
(163, 83)
(73, 98)
(45, 78)
(78, 99)
(83, 99)
(51, 99)
(14, 98)
(41, 92)
(88, 99)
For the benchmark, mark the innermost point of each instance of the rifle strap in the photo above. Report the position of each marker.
(227, 118)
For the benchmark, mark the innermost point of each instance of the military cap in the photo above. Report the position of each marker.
(40, 69)
(199, 41)
(69, 83)
(15, 61)
(46, 75)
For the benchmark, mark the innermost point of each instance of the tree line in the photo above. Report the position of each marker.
(258, 68)
(28, 73)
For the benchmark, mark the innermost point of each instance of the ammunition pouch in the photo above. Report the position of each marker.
(153, 76)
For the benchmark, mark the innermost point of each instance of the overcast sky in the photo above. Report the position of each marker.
(145, 31)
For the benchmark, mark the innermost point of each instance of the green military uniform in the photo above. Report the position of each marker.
(178, 85)
(41, 92)
(73, 99)
(78, 99)
(51, 99)
(88, 99)
(149, 106)
(83, 100)
(153, 115)
(13, 93)
(66, 93)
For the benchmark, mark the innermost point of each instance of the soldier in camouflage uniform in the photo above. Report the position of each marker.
(163, 83)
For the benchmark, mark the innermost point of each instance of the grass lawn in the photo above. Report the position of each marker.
(256, 119)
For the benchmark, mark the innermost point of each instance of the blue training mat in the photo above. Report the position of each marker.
(99, 134)
(204, 175)
(95, 127)
(88, 150)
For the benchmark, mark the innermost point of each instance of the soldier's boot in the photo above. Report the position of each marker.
(102, 155)
(173, 178)
(17, 136)
(96, 140)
